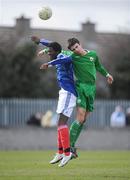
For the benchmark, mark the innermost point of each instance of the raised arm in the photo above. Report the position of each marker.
(60, 60)
(44, 42)
(37, 40)
(54, 62)
(42, 52)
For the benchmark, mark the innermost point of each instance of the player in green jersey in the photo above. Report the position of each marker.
(85, 64)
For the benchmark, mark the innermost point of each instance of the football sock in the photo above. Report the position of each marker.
(65, 139)
(59, 144)
(75, 130)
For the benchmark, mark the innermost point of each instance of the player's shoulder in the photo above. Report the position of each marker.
(61, 55)
(67, 53)
(92, 52)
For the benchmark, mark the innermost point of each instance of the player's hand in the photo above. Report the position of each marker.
(109, 79)
(35, 39)
(40, 53)
(44, 66)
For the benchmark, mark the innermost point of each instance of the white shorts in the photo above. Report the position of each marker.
(66, 103)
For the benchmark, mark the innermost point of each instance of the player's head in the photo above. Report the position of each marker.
(54, 49)
(74, 45)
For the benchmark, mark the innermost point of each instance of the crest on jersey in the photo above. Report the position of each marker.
(91, 59)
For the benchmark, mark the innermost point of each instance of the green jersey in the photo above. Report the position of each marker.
(85, 67)
(67, 53)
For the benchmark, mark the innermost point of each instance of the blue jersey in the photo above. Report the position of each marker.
(64, 69)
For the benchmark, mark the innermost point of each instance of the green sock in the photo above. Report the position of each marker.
(75, 130)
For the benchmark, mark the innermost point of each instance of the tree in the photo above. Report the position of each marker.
(4, 73)
(119, 58)
(21, 77)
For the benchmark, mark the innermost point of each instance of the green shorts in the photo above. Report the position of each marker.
(86, 95)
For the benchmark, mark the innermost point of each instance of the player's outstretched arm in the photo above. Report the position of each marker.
(109, 79)
(44, 66)
(35, 39)
(45, 42)
(42, 52)
(61, 60)
(56, 61)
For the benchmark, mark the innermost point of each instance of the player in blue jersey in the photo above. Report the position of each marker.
(67, 97)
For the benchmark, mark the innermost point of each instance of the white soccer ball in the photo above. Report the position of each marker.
(45, 13)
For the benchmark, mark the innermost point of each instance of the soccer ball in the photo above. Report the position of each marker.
(45, 13)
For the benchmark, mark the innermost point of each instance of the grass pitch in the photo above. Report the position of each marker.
(90, 165)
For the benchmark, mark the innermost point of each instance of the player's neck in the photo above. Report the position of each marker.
(83, 52)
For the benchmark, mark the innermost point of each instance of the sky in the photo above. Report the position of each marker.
(108, 15)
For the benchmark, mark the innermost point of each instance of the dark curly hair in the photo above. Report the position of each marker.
(56, 46)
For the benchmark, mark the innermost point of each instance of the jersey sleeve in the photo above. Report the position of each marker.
(67, 53)
(44, 42)
(60, 60)
(100, 68)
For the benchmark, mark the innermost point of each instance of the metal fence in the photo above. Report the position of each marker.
(16, 112)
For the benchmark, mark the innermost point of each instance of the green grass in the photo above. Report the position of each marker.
(91, 165)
